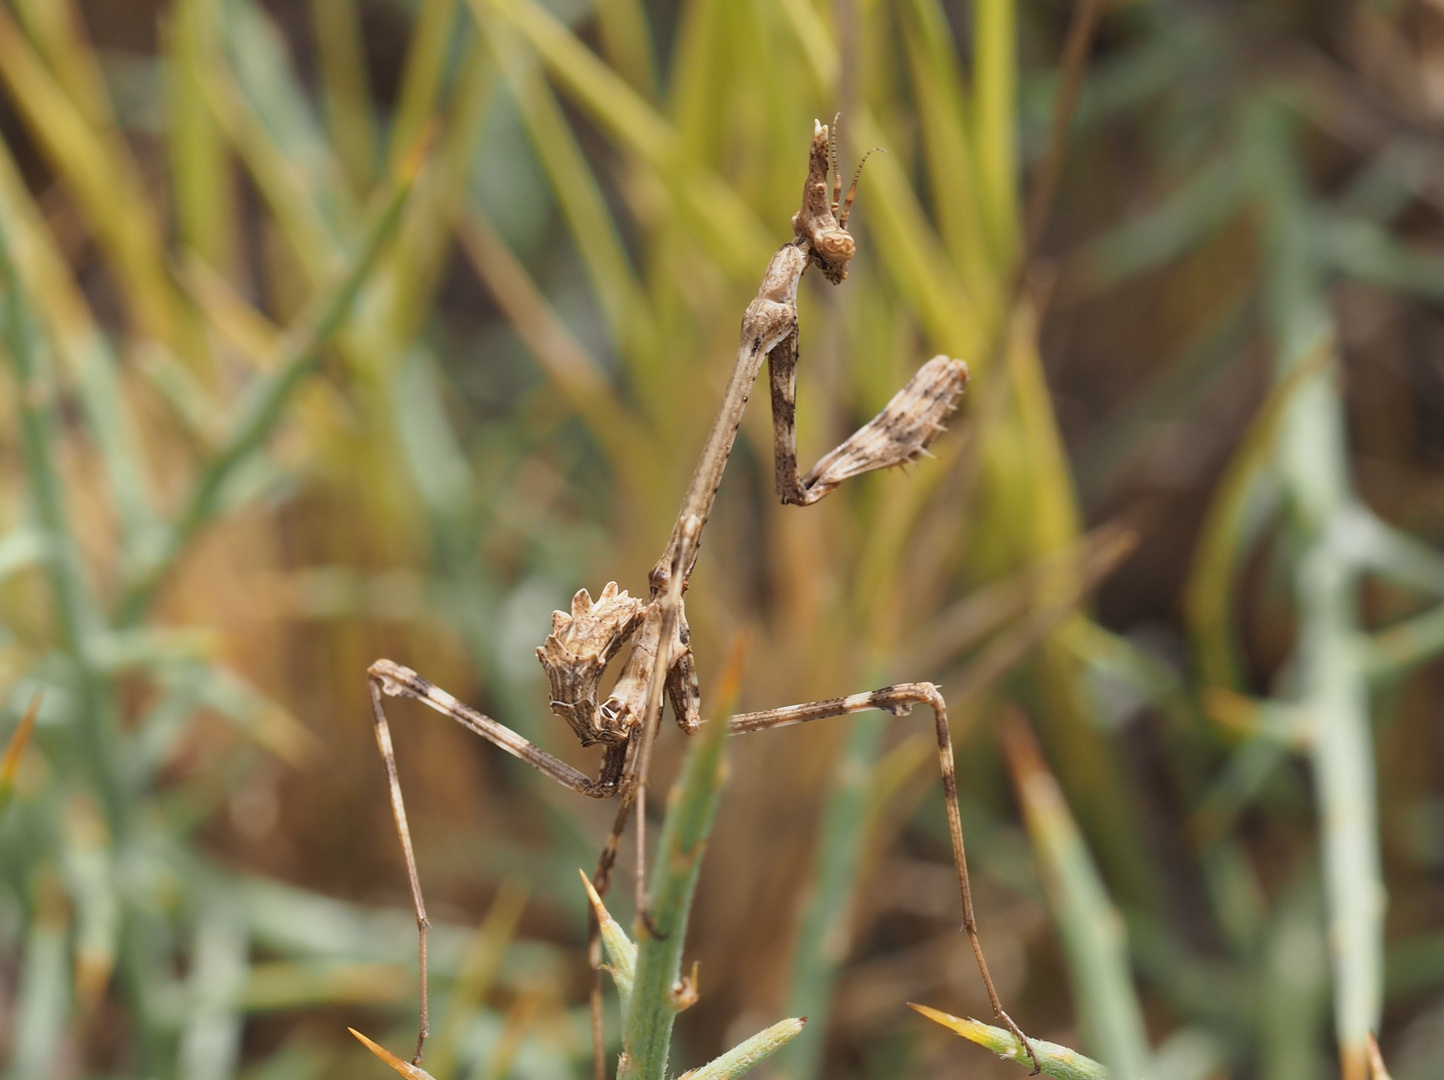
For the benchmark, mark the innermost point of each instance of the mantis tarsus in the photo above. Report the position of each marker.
(584, 641)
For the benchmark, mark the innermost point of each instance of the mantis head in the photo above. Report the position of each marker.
(822, 222)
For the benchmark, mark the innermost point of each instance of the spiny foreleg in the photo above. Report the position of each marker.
(900, 433)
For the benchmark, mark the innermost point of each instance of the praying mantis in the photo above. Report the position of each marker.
(585, 640)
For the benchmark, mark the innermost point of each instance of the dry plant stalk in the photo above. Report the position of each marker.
(584, 641)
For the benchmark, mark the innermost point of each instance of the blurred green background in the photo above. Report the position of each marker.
(338, 329)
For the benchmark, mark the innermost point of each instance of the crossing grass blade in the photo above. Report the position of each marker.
(1057, 1061)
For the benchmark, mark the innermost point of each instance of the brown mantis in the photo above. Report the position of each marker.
(584, 641)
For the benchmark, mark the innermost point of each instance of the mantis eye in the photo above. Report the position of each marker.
(837, 246)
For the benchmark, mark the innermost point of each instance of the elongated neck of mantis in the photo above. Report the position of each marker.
(769, 319)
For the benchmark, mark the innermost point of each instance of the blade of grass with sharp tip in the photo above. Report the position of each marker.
(1089, 924)
(405, 1068)
(749, 1053)
(1057, 1061)
(261, 411)
(647, 1035)
(621, 950)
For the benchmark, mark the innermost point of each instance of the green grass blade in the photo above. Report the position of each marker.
(29, 354)
(410, 275)
(210, 1045)
(593, 231)
(202, 185)
(647, 1036)
(1221, 545)
(1397, 649)
(255, 59)
(749, 1053)
(1057, 1061)
(828, 912)
(995, 79)
(88, 356)
(942, 108)
(431, 38)
(1314, 470)
(621, 950)
(1089, 924)
(732, 231)
(475, 976)
(626, 39)
(43, 1005)
(283, 184)
(56, 29)
(346, 89)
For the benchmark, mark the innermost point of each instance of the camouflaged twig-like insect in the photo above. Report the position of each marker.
(585, 640)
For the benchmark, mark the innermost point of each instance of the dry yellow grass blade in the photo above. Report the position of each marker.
(1057, 1061)
(14, 749)
(405, 1068)
(100, 173)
